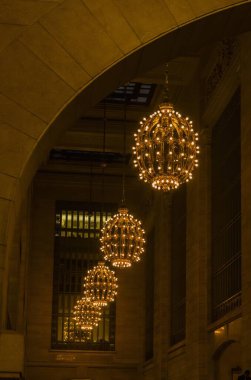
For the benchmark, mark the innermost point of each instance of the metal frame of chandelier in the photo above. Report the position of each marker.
(86, 314)
(122, 237)
(100, 285)
(166, 147)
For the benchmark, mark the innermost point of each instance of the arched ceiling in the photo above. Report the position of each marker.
(58, 57)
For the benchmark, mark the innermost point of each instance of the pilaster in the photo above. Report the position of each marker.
(198, 253)
(245, 43)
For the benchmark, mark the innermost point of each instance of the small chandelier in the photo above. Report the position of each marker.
(166, 147)
(100, 285)
(73, 333)
(86, 314)
(122, 239)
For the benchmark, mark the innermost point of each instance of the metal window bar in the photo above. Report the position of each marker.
(76, 250)
(226, 212)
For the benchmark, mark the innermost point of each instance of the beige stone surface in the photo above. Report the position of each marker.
(30, 83)
(201, 8)
(5, 206)
(8, 185)
(181, 10)
(19, 118)
(21, 12)
(155, 18)
(54, 55)
(82, 36)
(11, 352)
(2, 260)
(15, 147)
(9, 33)
(116, 26)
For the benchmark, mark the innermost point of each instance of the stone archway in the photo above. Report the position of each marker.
(226, 358)
(58, 57)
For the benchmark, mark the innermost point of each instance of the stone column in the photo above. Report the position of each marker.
(245, 43)
(198, 253)
(162, 285)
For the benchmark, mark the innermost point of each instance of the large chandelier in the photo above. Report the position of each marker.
(122, 239)
(100, 285)
(166, 148)
(86, 314)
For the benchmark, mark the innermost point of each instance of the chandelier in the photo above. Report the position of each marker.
(86, 314)
(166, 150)
(100, 285)
(72, 333)
(122, 239)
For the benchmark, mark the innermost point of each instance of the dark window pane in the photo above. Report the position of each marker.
(226, 211)
(76, 251)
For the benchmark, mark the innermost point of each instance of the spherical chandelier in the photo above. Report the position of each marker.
(166, 148)
(74, 333)
(86, 314)
(122, 239)
(100, 285)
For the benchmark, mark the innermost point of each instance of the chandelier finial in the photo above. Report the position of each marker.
(166, 92)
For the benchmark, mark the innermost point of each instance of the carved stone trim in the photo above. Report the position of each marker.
(226, 50)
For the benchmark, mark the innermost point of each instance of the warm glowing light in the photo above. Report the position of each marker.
(122, 239)
(219, 331)
(100, 285)
(86, 314)
(166, 149)
(73, 333)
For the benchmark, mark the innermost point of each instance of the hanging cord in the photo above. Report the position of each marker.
(90, 188)
(166, 93)
(103, 165)
(124, 150)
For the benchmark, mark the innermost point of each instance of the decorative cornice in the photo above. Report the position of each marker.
(226, 50)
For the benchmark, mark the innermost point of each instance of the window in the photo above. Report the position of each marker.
(226, 211)
(133, 94)
(77, 231)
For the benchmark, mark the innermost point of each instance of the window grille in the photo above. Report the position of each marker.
(226, 211)
(77, 231)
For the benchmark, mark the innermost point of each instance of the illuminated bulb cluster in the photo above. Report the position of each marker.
(122, 239)
(100, 285)
(166, 149)
(73, 334)
(86, 314)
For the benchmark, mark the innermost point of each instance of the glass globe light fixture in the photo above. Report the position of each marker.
(100, 285)
(122, 239)
(166, 147)
(86, 314)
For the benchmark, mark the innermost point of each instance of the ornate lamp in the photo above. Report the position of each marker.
(166, 149)
(86, 314)
(100, 285)
(122, 239)
(72, 332)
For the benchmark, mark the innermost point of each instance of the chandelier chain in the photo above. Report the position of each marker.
(166, 92)
(124, 148)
